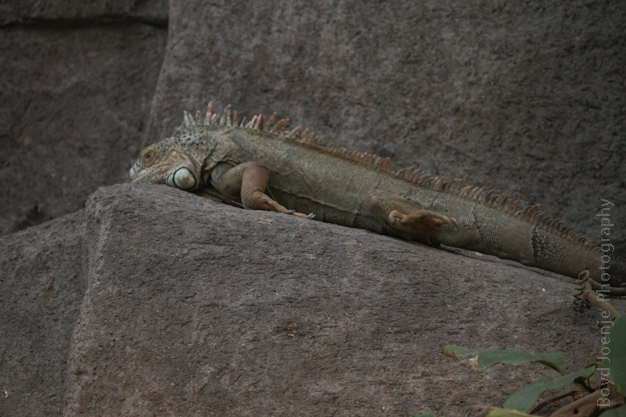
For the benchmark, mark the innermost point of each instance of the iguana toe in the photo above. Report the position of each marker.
(304, 216)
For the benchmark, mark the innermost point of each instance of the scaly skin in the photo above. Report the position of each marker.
(357, 190)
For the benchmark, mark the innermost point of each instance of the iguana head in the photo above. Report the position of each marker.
(175, 161)
(163, 164)
(186, 159)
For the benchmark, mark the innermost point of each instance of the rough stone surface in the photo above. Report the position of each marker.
(43, 284)
(74, 101)
(525, 97)
(190, 310)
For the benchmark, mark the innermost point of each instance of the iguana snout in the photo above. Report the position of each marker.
(158, 165)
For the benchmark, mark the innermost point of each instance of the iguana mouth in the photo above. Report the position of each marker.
(156, 172)
(133, 173)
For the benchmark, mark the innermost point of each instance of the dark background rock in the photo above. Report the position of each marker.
(526, 97)
(75, 93)
(187, 312)
(82, 12)
(43, 283)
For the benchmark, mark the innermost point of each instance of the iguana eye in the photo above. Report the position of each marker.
(148, 157)
(183, 179)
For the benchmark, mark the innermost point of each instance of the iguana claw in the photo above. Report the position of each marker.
(302, 215)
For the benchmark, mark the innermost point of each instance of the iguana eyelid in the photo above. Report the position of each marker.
(148, 157)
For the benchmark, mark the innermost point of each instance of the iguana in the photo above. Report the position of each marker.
(261, 167)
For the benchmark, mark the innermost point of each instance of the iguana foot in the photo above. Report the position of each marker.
(422, 222)
(246, 183)
(405, 217)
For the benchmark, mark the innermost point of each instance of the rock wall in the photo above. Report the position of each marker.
(525, 97)
(76, 87)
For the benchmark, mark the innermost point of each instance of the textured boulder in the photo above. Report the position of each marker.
(196, 308)
(43, 284)
(524, 97)
(156, 301)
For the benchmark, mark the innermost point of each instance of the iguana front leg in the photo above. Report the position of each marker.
(246, 183)
(405, 217)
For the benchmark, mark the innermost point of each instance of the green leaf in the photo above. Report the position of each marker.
(501, 412)
(524, 399)
(616, 412)
(614, 365)
(482, 359)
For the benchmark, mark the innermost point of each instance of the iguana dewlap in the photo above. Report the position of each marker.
(263, 168)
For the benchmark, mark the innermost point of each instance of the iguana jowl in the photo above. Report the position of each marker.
(237, 162)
